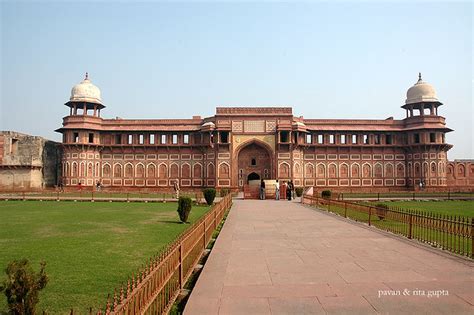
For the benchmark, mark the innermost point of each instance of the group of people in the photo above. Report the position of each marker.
(287, 190)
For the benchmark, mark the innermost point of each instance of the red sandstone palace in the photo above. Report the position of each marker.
(238, 144)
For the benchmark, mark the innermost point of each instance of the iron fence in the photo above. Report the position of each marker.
(449, 232)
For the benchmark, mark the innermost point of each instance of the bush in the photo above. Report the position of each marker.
(224, 192)
(184, 208)
(299, 191)
(209, 195)
(22, 286)
(381, 210)
(326, 194)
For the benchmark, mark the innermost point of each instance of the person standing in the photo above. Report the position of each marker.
(176, 188)
(262, 190)
(283, 190)
(292, 190)
(288, 190)
(98, 185)
(277, 190)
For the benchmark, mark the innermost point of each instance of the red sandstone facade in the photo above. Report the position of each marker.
(242, 143)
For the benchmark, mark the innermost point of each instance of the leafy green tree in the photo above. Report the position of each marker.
(22, 286)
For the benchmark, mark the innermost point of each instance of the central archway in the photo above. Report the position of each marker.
(253, 176)
(254, 161)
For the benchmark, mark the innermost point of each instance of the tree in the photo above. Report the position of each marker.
(209, 195)
(22, 286)
(184, 208)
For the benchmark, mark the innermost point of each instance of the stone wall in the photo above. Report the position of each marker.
(460, 175)
(28, 162)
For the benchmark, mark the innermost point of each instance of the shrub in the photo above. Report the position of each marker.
(381, 210)
(209, 195)
(184, 208)
(326, 194)
(22, 286)
(299, 191)
(224, 192)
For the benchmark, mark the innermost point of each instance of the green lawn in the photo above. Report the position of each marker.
(408, 194)
(448, 207)
(422, 230)
(90, 248)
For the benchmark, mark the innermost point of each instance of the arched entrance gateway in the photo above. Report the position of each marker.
(255, 161)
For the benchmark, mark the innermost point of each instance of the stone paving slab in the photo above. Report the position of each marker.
(279, 257)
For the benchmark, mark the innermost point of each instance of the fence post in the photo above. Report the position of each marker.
(449, 195)
(378, 196)
(205, 234)
(23, 196)
(410, 225)
(127, 198)
(413, 196)
(472, 237)
(345, 209)
(92, 194)
(370, 214)
(57, 196)
(215, 220)
(181, 264)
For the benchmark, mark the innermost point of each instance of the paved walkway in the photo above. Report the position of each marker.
(284, 258)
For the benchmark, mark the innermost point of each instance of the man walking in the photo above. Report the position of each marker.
(262, 190)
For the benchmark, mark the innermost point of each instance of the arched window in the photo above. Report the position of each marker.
(400, 170)
(332, 170)
(151, 170)
(106, 170)
(284, 170)
(128, 170)
(185, 171)
(344, 169)
(117, 170)
(140, 169)
(355, 171)
(83, 169)
(211, 171)
(378, 171)
(197, 170)
(174, 171)
(297, 170)
(309, 170)
(75, 172)
(366, 170)
(163, 171)
(321, 171)
(389, 170)
(224, 171)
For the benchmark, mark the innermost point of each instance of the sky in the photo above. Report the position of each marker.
(341, 60)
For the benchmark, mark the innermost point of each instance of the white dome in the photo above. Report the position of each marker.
(86, 92)
(421, 92)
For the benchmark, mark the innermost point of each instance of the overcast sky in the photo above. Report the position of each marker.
(169, 60)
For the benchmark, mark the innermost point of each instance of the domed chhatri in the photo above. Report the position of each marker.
(86, 92)
(421, 92)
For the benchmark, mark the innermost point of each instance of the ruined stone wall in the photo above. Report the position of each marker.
(27, 162)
